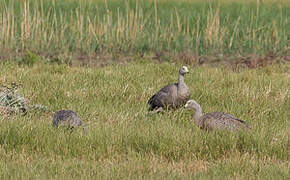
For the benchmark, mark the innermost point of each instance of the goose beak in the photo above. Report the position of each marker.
(186, 105)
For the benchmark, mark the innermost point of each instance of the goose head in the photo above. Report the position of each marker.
(183, 70)
(191, 104)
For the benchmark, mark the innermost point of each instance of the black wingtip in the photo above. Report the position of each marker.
(150, 101)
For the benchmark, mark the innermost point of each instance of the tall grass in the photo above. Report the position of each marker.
(87, 27)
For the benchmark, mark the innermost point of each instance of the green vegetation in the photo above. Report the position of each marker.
(96, 27)
(11, 102)
(124, 141)
(43, 38)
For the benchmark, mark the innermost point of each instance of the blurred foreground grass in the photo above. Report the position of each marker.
(93, 28)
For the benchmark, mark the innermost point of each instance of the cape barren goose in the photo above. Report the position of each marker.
(216, 120)
(172, 95)
(66, 118)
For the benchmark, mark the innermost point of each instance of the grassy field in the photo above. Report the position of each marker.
(46, 46)
(123, 141)
(92, 28)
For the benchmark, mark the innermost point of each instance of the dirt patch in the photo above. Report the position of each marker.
(235, 62)
(254, 61)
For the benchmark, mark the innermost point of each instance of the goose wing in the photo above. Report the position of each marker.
(221, 120)
(164, 97)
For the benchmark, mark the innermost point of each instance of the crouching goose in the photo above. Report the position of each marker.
(216, 120)
(66, 118)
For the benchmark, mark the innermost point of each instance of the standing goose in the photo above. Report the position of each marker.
(172, 95)
(216, 120)
(66, 118)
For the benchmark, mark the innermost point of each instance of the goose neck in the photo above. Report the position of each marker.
(197, 115)
(180, 81)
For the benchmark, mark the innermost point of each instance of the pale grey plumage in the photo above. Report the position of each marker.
(66, 118)
(216, 120)
(172, 95)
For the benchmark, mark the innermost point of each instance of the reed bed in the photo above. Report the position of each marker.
(197, 27)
